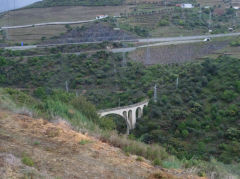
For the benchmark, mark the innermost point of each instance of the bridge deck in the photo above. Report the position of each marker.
(124, 107)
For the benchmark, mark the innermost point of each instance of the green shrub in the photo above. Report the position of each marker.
(89, 110)
(163, 22)
(157, 162)
(229, 95)
(238, 86)
(36, 143)
(40, 93)
(185, 133)
(107, 123)
(139, 159)
(27, 161)
(83, 142)
(202, 174)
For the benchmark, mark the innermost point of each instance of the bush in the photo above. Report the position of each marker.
(83, 142)
(139, 159)
(3, 61)
(229, 95)
(185, 133)
(107, 123)
(40, 93)
(157, 162)
(27, 161)
(163, 22)
(89, 110)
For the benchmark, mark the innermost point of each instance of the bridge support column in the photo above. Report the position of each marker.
(134, 119)
(128, 127)
(125, 115)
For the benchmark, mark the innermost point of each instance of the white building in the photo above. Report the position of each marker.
(187, 6)
(101, 16)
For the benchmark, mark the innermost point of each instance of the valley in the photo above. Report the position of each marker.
(57, 81)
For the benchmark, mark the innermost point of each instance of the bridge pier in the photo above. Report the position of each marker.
(129, 113)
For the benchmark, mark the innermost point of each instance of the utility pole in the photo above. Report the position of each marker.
(7, 22)
(115, 75)
(114, 69)
(155, 94)
(177, 83)
(200, 14)
(148, 55)
(124, 61)
(210, 20)
(77, 95)
(66, 85)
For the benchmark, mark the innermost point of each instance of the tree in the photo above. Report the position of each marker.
(3, 62)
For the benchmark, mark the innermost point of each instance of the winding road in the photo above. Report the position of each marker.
(182, 38)
(48, 23)
(154, 41)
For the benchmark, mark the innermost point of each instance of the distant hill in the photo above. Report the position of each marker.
(52, 3)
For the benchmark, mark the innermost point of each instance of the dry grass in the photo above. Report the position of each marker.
(61, 155)
(64, 154)
(34, 34)
(177, 53)
(54, 14)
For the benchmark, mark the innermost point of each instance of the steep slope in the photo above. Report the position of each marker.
(50, 3)
(36, 148)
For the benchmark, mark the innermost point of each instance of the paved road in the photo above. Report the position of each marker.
(130, 49)
(115, 50)
(27, 47)
(168, 39)
(47, 23)
(164, 40)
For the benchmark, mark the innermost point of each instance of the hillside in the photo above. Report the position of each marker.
(32, 147)
(51, 95)
(35, 148)
(201, 114)
(96, 32)
(143, 18)
(50, 3)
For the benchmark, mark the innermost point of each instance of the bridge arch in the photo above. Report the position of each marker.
(114, 114)
(130, 113)
(139, 112)
(118, 122)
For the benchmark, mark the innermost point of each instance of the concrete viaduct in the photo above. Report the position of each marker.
(130, 113)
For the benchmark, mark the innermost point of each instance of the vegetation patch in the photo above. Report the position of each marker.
(236, 42)
(52, 3)
(27, 161)
(139, 159)
(195, 116)
(84, 142)
(95, 32)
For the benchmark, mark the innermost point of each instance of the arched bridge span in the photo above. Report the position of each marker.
(129, 113)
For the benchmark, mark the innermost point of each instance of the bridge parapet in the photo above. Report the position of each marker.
(125, 107)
